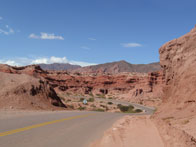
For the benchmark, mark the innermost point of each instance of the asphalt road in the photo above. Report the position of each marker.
(147, 110)
(57, 129)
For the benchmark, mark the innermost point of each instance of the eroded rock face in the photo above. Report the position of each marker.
(178, 60)
(118, 67)
(137, 87)
(22, 91)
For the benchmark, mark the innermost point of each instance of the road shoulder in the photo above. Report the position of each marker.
(129, 131)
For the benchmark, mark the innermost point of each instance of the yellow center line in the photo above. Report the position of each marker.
(42, 124)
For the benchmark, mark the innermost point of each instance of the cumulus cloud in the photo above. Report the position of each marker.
(50, 60)
(7, 30)
(46, 36)
(81, 63)
(93, 39)
(42, 60)
(9, 62)
(127, 45)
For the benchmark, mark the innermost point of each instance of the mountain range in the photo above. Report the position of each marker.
(112, 67)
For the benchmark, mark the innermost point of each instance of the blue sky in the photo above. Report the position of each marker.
(90, 31)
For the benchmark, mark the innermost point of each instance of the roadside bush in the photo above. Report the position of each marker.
(100, 95)
(81, 99)
(99, 109)
(138, 110)
(110, 103)
(82, 108)
(91, 100)
(125, 108)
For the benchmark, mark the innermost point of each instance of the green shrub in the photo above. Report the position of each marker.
(119, 105)
(125, 108)
(81, 99)
(110, 103)
(99, 109)
(138, 110)
(100, 95)
(82, 108)
(91, 100)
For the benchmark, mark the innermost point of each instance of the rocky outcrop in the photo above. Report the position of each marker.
(176, 116)
(59, 66)
(178, 60)
(127, 86)
(23, 91)
(33, 70)
(137, 87)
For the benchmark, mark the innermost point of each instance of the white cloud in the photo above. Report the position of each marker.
(50, 60)
(45, 36)
(81, 63)
(1, 18)
(42, 60)
(7, 30)
(9, 62)
(85, 47)
(127, 45)
(33, 36)
(93, 39)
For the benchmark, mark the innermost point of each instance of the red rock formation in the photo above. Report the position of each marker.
(176, 116)
(178, 60)
(118, 67)
(128, 86)
(18, 90)
(131, 87)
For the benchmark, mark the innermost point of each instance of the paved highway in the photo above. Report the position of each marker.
(60, 129)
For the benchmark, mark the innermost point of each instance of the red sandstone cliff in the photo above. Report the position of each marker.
(20, 90)
(178, 60)
(176, 117)
(135, 87)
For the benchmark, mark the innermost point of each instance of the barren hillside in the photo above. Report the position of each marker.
(20, 91)
(119, 67)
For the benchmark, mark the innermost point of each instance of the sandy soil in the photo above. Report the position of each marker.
(131, 131)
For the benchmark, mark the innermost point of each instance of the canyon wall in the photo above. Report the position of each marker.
(20, 90)
(176, 116)
(178, 60)
(136, 87)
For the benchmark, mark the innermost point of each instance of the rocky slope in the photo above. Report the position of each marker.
(178, 59)
(59, 66)
(136, 87)
(22, 91)
(119, 67)
(130, 86)
(175, 118)
(178, 110)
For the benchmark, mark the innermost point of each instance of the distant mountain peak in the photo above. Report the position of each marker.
(59, 66)
(118, 67)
